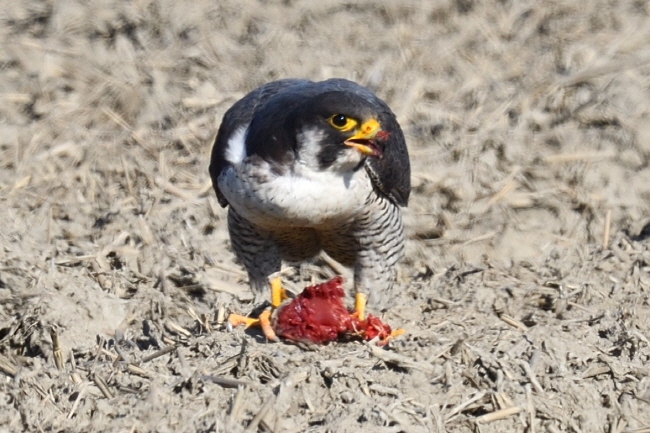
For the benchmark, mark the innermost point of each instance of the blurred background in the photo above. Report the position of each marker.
(527, 125)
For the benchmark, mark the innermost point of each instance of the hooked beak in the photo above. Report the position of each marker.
(364, 139)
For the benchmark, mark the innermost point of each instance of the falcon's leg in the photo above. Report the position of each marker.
(360, 301)
(380, 236)
(257, 250)
(278, 295)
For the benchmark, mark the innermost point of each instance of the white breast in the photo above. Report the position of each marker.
(301, 197)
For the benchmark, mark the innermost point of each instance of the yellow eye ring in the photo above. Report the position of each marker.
(341, 122)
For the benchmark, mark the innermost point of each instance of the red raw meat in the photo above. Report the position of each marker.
(317, 315)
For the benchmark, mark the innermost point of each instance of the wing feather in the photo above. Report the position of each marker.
(237, 117)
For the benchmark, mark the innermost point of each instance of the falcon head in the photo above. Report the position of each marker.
(328, 126)
(337, 131)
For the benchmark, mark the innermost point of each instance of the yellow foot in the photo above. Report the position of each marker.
(237, 319)
(264, 322)
(360, 301)
(392, 335)
(278, 295)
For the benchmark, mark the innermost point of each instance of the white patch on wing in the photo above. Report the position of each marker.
(236, 148)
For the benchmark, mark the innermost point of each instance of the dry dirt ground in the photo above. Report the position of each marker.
(524, 291)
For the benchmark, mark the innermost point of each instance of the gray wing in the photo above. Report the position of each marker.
(390, 174)
(237, 116)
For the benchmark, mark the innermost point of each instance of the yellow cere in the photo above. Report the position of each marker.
(369, 128)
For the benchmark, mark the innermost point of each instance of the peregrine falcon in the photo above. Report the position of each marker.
(313, 166)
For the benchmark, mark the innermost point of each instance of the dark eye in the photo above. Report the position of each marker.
(342, 122)
(339, 120)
